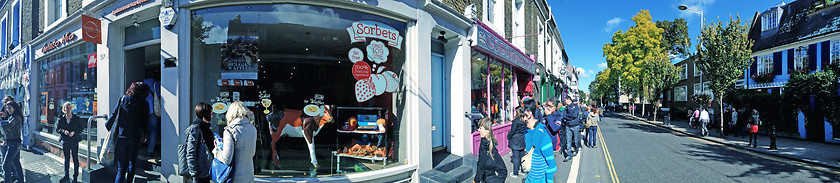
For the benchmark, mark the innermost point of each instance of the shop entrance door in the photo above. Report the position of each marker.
(439, 103)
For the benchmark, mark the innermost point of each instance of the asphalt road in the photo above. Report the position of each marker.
(639, 152)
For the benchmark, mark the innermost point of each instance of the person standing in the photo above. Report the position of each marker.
(11, 129)
(537, 138)
(754, 122)
(553, 121)
(572, 123)
(240, 142)
(516, 141)
(592, 127)
(490, 166)
(704, 120)
(733, 122)
(131, 129)
(743, 122)
(70, 127)
(198, 152)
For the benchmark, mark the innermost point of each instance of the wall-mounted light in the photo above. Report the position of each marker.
(442, 38)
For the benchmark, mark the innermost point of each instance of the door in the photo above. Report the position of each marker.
(439, 99)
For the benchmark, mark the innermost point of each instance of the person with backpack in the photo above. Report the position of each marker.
(516, 141)
(490, 166)
(198, 142)
(754, 122)
(131, 129)
(572, 123)
(70, 128)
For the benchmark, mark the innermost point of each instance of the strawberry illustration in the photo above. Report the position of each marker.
(364, 90)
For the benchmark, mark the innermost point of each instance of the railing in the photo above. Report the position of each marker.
(104, 116)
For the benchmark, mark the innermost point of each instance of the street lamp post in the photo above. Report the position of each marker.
(684, 7)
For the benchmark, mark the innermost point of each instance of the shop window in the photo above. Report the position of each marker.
(303, 58)
(499, 102)
(800, 58)
(835, 51)
(65, 77)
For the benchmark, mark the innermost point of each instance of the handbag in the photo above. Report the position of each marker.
(220, 172)
(106, 153)
(526, 161)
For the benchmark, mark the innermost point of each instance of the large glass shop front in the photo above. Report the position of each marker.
(497, 88)
(66, 76)
(334, 74)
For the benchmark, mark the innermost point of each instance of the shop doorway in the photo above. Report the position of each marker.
(142, 64)
(439, 103)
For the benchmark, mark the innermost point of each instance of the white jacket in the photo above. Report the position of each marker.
(704, 115)
(242, 146)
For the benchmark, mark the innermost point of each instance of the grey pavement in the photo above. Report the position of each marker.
(819, 153)
(42, 167)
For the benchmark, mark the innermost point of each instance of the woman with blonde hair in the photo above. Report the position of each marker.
(490, 167)
(69, 126)
(239, 143)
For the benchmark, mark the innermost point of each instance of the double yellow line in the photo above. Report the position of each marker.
(607, 157)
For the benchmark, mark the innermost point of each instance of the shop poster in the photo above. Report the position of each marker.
(373, 79)
(239, 57)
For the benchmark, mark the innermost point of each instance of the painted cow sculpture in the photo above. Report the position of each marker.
(296, 124)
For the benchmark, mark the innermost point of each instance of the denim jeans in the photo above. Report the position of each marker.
(516, 160)
(126, 157)
(11, 163)
(591, 135)
(71, 151)
(572, 139)
(154, 133)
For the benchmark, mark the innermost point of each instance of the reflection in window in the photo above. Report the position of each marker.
(296, 57)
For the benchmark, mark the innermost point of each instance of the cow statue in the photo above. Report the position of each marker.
(298, 125)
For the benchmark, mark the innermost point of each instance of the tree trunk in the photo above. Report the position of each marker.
(643, 105)
(721, 114)
(655, 109)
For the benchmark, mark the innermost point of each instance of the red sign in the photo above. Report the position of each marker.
(128, 6)
(91, 30)
(58, 42)
(92, 60)
(361, 70)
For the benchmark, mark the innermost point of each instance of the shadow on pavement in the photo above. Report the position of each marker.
(757, 166)
(644, 127)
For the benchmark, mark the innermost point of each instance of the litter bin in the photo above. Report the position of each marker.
(666, 112)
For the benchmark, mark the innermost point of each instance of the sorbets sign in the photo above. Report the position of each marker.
(490, 43)
(90, 30)
(58, 42)
(371, 29)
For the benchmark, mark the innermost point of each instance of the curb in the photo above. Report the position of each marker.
(736, 146)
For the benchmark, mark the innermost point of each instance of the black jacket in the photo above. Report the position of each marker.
(489, 169)
(516, 135)
(133, 118)
(198, 154)
(206, 133)
(75, 126)
(571, 117)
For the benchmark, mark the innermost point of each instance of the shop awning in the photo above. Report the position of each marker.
(490, 43)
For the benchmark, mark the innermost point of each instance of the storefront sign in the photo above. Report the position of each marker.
(91, 30)
(489, 42)
(361, 30)
(167, 17)
(58, 42)
(128, 6)
(92, 60)
(361, 70)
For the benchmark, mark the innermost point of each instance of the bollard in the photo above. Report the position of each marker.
(773, 138)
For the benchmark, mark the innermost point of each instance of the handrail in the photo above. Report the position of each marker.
(88, 137)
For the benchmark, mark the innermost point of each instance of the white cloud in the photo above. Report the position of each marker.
(583, 73)
(216, 34)
(612, 23)
(307, 15)
(602, 65)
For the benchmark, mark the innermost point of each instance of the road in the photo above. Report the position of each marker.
(639, 152)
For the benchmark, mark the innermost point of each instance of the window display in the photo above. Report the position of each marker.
(323, 83)
(66, 77)
(498, 76)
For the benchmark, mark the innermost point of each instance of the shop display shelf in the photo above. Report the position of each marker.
(372, 159)
(362, 131)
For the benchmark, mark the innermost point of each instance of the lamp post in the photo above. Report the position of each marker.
(702, 21)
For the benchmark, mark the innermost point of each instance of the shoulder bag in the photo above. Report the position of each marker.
(106, 152)
(220, 172)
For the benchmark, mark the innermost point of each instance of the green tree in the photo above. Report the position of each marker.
(629, 51)
(822, 87)
(604, 87)
(661, 74)
(675, 40)
(723, 55)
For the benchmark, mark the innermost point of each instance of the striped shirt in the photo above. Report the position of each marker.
(543, 164)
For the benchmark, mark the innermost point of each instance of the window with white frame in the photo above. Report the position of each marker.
(703, 89)
(835, 51)
(800, 58)
(697, 71)
(765, 64)
(4, 25)
(491, 4)
(56, 9)
(15, 25)
(680, 93)
(684, 73)
(770, 20)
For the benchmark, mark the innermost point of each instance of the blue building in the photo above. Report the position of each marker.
(802, 36)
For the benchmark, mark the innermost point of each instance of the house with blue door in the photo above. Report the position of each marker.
(801, 36)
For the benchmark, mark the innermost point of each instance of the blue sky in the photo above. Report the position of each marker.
(587, 25)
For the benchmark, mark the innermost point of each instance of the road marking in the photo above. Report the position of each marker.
(790, 162)
(608, 158)
(573, 173)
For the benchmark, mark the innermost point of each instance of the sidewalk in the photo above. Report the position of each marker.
(43, 167)
(818, 153)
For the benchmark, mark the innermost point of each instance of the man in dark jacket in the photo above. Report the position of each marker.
(572, 123)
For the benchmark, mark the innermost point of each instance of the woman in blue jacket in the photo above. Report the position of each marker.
(543, 164)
